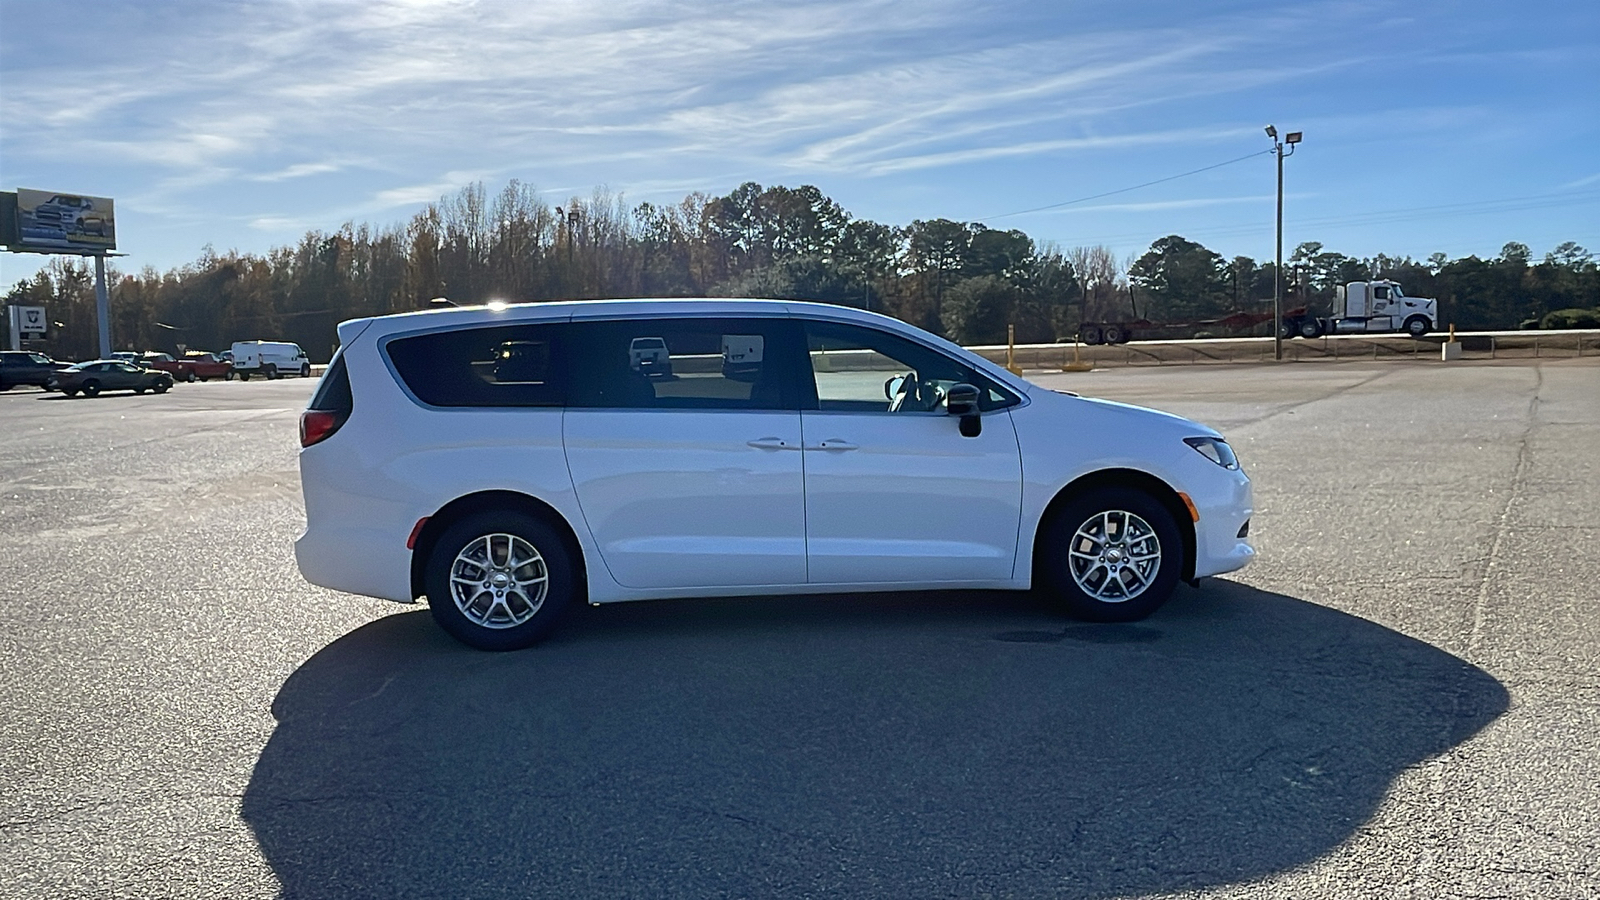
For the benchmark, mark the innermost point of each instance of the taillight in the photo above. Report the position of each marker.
(317, 424)
(330, 406)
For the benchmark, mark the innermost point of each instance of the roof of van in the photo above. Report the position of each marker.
(557, 310)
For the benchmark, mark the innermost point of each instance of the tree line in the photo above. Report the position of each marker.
(961, 279)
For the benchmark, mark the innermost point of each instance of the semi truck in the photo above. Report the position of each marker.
(1368, 307)
(1359, 307)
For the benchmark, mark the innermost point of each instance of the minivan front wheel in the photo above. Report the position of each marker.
(499, 580)
(1112, 555)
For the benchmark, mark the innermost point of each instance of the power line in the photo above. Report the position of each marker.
(1127, 189)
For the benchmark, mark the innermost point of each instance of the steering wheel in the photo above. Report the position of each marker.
(908, 386)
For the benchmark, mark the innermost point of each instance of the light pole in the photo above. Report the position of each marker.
(1291, 139)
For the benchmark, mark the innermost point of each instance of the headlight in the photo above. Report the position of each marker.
(1214, 449)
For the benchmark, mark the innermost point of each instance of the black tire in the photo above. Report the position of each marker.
(271, 372)
(1310, 328)
(1286, 329)
(305, 371)
(227, 376)
(138, 390)
(161, 387)
(189, 377)
(1091, 335)
(1113, 334)
(1416, 326)
(244, 376)
(561, 585)
(91, 388)
(1056, 564)
(72, 392)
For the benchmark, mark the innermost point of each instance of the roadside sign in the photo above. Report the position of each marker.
(31, 320)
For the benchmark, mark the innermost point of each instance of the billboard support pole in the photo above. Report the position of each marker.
(102, 303)
(14, 323)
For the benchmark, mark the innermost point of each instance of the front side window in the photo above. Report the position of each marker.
(860, 369)
(505, 365)
(679, 364)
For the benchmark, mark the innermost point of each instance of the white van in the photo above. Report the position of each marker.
(271, 359)
(505, 493)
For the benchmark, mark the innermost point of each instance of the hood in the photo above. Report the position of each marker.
(1150, 418)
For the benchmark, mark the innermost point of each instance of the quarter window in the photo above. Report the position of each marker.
(507, 365)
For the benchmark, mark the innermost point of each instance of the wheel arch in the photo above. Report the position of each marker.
(1162, 492)
(483, 501)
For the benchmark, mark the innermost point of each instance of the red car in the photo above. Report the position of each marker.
(207, 366)
(195, 366)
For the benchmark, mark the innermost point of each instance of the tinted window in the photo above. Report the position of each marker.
(866, 370)
(333, 394)
(680, 364)
(506, 365)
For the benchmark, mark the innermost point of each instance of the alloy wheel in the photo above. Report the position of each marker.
(498, 581)
(1114, 556)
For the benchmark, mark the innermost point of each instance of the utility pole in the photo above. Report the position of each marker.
(1291, 139)
(102, 305)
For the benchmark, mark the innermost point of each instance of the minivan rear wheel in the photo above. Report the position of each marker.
(1112, 555)
(499, 580)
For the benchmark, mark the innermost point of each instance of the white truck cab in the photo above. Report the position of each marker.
(269, 359)
(1377, 306)
(1368, 307)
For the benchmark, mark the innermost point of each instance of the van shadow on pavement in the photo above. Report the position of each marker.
(902, 744)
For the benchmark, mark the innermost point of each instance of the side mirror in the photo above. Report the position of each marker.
(962, 400)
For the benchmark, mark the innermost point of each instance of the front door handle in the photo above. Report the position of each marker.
(833, 444)
(772, 443)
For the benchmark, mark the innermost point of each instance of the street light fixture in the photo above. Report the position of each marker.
(1291, 139)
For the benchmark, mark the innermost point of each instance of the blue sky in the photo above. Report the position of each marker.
(1429, 126)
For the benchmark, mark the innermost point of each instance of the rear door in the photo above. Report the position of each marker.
(894, 492)
(688, 473)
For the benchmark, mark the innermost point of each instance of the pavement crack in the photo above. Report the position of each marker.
(1519, 477)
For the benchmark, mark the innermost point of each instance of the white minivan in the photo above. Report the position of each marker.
(793, 448)
(269, 359)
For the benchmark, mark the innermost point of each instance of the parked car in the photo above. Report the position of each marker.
(164, 362)
(192, 367)
(859, 454)
(206, 366)
(19, 367)
(269, 359)
(99, 375)
(648, 356)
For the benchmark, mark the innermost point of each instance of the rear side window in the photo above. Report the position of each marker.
(682, 364)
(333, 393)
(503, 365)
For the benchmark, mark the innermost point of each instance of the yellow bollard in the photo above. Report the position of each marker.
(1011, 350)
(1077, 365)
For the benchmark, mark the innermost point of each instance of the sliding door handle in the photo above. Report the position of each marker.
(833, 444)
(772, 443)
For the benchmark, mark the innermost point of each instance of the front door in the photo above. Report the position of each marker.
(687, 469)
(894, 492)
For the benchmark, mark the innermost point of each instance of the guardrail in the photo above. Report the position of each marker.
(1350, 348)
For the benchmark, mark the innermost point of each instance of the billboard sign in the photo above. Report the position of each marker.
(51, 221)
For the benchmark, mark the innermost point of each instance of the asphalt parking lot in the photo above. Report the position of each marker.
(1400, 698)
